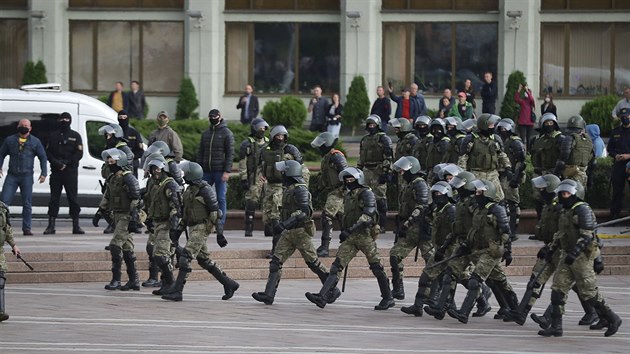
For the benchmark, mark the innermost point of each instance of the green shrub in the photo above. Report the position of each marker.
(40, 73)
(34, 73)
(357, 106)
(597, 111)
(289, 111)
(187, 101)
(509, 107)
(432, 113)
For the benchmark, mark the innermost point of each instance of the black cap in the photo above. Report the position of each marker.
(65, 115)
(214, 113)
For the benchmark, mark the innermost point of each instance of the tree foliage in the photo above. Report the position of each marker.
(187, 101)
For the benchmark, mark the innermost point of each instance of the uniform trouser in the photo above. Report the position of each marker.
(162, 239)
(576, 173)
(25, 182)
(255, 191)
(197, 244)
(3, 262)
(580, 273)
(272, 199)
(618, 179)
(406, 244)
(122, 238)
(491, 176)
(488, 266)
(298, 239)
(511, 194)
(371, 180)
(66, 179)
(334, 203)
(363, 241)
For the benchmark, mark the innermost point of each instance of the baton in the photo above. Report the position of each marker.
(430, 266)
(345, 276)
(24, 261)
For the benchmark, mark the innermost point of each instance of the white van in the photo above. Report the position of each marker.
(42, 104)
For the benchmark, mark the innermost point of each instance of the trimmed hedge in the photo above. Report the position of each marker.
(597, 111)
(289, 111)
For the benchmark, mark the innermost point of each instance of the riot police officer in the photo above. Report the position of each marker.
(438, 148)
(133, 138)
(6, 235)
(333, 162)
(421, 127)
(455, 131)
(64, 151)
(375, 158)
(619, 149)
(545, 150)
(249, 154)
(577, 157)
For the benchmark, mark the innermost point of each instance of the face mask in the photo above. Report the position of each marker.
(547, 197)
(440, 200)
(625, 120)
(214, 121)
(438, 134)
(548, 129)
(156, 175)
(287, 181)
(114, 168)
(408, 176)
(351, 185)
(124, 123)
(568, 202)
(481, 200)
(260, 134)
(463, 192)
(452, 132)
(547, 99)
(323, 150)
(504, 134)
(372, 131)
(277, 142)
(423, 131)
(401, 135)
(64, 124)
(22, 130)
(162, 122)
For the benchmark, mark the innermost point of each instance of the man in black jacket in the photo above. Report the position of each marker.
(215, 156)
(488, 94)
(248, 104)
(64, 150)
(134, 139)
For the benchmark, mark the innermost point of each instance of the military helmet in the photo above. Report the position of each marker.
(291, 168)
(258, 123)
(549, 117)
(438, 168)
(278, 129)
(450, 169)
(456, 121)
(437, 122)
(118, 155)
(463, 179)
(442, 187)
(401, 123)
(422, 120)
(571, 186)
(352, 172)
(407, 163)
(157, 163)
(148, 157)
(549, 181)
(486, 120)
(192, 171)
(113, 129)
(159, 147)
(373, 118)
(488, 188)
(507, 124)
(326, 138)
(469, 125)
(576, 122)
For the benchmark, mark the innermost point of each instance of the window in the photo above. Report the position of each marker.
(299, 5)
(577, 58)
(103, 52)
(13, 51)
(588, 5)
(282, 57)
(95, 141)
(438, 55)
(437, 5)
(14, 4)
(159, 4)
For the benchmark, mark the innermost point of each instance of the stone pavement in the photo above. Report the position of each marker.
(85, 318)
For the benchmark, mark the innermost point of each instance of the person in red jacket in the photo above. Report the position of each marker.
(526, 117)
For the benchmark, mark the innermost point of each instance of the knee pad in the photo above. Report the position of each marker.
(3, 280)
(336, 266)
(275, 265)
(393, 260)
(424, 280)
(129, 256)
(250, 205)
(162, 261)
(557, 298)
(116, 253)
(376, 268)
(474, 283)
(328, 217)
(184, 263)
(149, 248)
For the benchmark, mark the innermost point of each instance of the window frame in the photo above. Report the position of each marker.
(296, 9)
(452, 8)
(567, 60)
(94, 28)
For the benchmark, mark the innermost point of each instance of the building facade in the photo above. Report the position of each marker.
(575, 49)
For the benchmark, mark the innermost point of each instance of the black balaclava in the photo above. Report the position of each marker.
(438, 134)
(278, 143)
(463, 192)
(481, 200)
(451, 132)
(323, 149)
(351, 185)
(440, 200)
(113, 168)
(625, 120)
(547, 197)
(65, 126)
(408, 176)
(124, 123)
(504, 133)
(110, 141)
(371, 131)
(259, 134)
(548, 129)
(423, 130)
(568, 202)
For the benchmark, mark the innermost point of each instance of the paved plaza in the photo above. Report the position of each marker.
(84, 318)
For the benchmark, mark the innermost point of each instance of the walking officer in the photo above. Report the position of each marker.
(6, 235)
(455, 131)
(360, 229)
(296, 229)
(375, 158)
(133, 138)
(200, 213)
(248, 170)
(577, 157)
(64, 150)
(545, 151)
(576, 242)
(420, 150)
(121, 197)
(333, 162)
(619, 149)
(438, 148)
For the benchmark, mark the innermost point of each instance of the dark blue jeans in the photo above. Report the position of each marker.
(214, 179)
(10, 186)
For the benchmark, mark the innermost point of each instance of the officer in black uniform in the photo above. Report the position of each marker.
(134, 139)
(619, 149)
(64, 150)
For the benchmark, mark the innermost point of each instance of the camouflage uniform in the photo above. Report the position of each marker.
(250, 180)
(485, 157)
(512, 177)
(545, 152)
(576, 155)
(421, 150)
(332, 163)
(436, 154)
(6, 235)
(375, 158)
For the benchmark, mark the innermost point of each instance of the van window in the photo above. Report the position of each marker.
(43, 124)
(95, 142)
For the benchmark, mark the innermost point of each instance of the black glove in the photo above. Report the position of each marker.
(278, 228)
(463, 250)
(507, 257)
(542, 253)
(402, 229)
(598, 265)
(134, 215)
(559, 169)
(382, 179)
(149, 225)
(221, 241)
(343, 235)
(570, 258)
(439, 255)
(97, 217)
(173, 222)
(508, 174)
(514, 182)
(549, 256)
(245, 184)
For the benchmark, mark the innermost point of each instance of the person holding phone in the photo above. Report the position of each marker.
(527, 116)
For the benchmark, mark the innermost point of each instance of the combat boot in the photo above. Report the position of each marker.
(543, 321)
(269, 294)
(483, 305)
(387, 300)
(613, 321)
(590, 315)
(268, 230)
(321, 299)
(116, 253)
(167, 275)
(474, 287)
(3, 315)
(250, 212)
(50, 229)
(110, 228)
(444, 299)
(554, 330)
(153, 281)
(398, 288)
(512, 303)
(323, 249)
(434, 293)
(275, 238)
(134, 281)
(175, 293)
(317, 268)
(229, 285)
(602, 323)
(416, 308)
